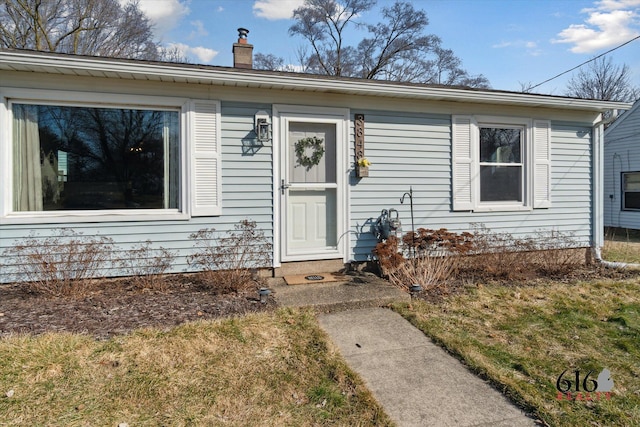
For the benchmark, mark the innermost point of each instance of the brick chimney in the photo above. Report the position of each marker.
(242, 51)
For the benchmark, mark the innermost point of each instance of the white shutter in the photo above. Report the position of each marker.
(542, 163)
(206, 170)
(462, 162)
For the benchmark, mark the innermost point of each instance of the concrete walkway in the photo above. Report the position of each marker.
(416, 382)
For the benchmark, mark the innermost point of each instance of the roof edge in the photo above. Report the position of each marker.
(55, 62)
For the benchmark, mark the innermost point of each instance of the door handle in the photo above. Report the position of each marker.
(283, 186)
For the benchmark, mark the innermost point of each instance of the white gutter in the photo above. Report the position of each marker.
(144, 70)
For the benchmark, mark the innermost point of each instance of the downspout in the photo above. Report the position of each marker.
(597, 238)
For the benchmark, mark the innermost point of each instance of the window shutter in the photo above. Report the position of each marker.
(542, 163)
(206, 170)
(462, 162)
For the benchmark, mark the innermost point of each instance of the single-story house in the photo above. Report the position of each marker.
(622, 171)
(138, 151)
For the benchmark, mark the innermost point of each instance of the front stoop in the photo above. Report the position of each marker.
(308, 267)
(361, 291)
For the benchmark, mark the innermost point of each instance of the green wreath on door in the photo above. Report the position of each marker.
(315, 144)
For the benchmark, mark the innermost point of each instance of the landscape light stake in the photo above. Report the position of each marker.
(264, 294)
(414, 290)
(413, 234)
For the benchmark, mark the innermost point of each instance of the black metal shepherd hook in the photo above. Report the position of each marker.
(413, 234)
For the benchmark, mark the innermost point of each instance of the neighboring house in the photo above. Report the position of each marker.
(622, 171)
(139, 150)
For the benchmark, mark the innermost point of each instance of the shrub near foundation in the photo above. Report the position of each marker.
(427, 257)
(230, 262)
(503, 256)
(146, 266)
(59, 265)
(433, 257)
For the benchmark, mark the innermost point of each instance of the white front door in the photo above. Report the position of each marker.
(311, 186)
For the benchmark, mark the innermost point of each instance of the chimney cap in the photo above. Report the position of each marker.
(242, 33)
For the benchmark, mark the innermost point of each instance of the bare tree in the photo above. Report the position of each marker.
(84, 27)
(603, 80)
(396, 49)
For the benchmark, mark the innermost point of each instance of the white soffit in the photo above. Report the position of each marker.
(48, 63)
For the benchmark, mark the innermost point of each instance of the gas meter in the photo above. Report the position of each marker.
(388, 224)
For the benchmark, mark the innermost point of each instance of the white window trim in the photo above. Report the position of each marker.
(9, 96)
(623, 191)
(536, 163)
(527, 177)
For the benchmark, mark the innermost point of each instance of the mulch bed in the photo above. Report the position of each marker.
(115, 306)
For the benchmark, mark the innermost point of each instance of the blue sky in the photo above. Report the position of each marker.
(509, 41)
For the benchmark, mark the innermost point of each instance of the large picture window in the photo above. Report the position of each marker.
(85, 158)
(631, 191)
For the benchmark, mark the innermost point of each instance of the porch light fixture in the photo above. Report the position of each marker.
(263, 126)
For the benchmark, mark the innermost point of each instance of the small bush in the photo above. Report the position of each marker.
(229, 262)
(427, 257)
(501, 255)
(429, 271)
(59, 265)
(146, 266)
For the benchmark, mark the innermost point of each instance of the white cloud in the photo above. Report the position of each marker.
(609, 23)
(276, 9)
(530, 46)
(199, 30)
(163, 14)
(203, 54)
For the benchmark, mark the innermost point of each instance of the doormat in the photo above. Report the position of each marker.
(303, 279)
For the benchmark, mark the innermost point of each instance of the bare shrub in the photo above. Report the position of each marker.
(498, 254)
(146, 266)
(427, 257)
(388, 255)
(229, 262)
(555, 252)
(501, 255)
(426, 242)
(59, 265)
(429, 271)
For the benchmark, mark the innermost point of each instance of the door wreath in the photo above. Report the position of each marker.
(315, 144)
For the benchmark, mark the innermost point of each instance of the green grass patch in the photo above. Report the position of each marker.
(524, 338)
(266, 369)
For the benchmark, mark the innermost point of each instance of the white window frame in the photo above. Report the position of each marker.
(501, 123)
(622, 182)
(535, 159)
(187, 122)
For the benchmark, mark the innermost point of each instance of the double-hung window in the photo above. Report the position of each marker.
(70, 159)
(500, 163)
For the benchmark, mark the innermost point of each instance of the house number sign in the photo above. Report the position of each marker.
(359, 136)
(362, 164)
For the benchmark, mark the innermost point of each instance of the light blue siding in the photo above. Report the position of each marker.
(414, 150)
(246, 194)
(621, 154)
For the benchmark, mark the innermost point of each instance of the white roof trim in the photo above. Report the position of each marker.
(154, 71)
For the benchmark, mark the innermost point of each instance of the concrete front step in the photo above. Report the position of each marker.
(354, 292)
(308, 267)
